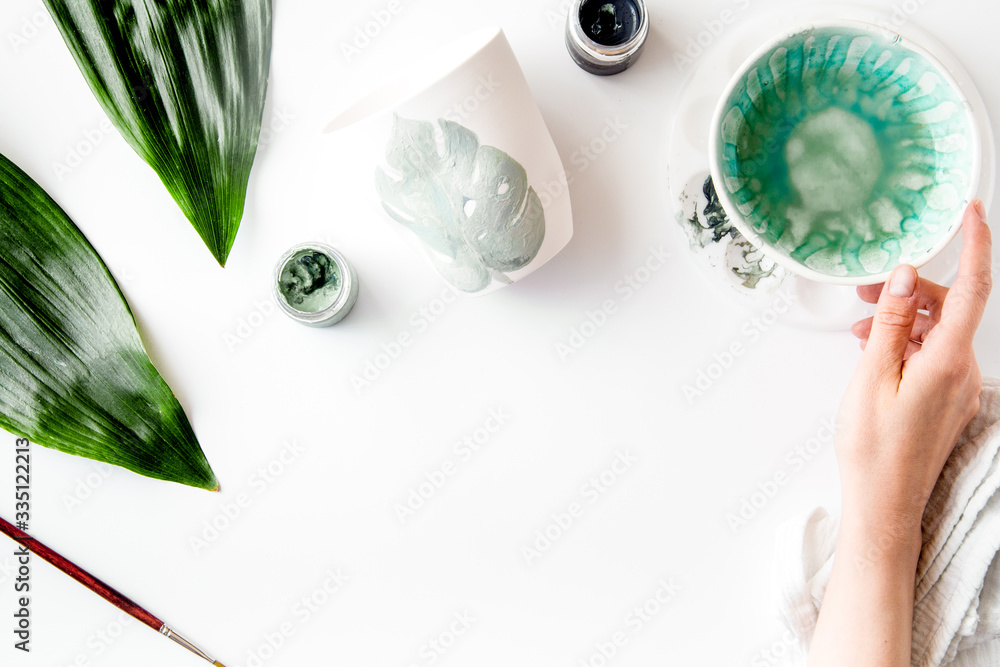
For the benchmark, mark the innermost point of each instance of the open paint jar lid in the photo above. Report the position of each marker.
(606, 36)
(315, 285)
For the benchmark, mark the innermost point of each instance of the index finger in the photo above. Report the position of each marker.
(966, 300)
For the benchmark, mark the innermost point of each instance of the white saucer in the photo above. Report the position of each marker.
(730, 261)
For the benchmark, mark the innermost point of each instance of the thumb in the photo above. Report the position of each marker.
(892, 325)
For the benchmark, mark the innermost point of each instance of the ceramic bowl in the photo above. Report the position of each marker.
(843, 151)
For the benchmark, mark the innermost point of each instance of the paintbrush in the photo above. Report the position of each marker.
(99, 587)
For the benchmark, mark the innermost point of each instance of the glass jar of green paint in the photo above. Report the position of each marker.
(315, 285)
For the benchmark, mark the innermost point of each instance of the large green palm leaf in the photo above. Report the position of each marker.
(184, 82)
(74, 375)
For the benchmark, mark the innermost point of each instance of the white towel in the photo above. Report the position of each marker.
(956, 611)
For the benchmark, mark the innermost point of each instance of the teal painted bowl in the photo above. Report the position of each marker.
(843, 152)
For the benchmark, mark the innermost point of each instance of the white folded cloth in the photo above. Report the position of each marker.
(956, 610)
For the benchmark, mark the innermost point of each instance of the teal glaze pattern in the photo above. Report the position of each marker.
(846, 152)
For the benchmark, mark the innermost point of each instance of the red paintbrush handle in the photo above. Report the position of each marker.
(84, 577)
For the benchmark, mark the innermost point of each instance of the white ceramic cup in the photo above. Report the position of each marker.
(464, 165)
(941, 77)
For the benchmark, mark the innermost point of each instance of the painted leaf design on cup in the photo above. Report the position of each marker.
(469, 204)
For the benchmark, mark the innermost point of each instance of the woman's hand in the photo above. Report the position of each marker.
(917, 385)
(913, 393)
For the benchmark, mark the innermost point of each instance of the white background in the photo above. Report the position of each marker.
(332, 505)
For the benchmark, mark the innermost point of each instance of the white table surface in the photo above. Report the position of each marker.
(331, 507)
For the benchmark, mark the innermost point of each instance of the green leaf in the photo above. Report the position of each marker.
(184, 82)
(74, 375)
(469, 204)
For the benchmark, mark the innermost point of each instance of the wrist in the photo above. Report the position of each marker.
(880, 535)
(889, 504)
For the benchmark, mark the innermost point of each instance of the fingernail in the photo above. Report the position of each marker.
(903, 282)
(980, 209)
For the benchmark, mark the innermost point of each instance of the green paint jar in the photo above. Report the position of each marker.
(315, 285)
